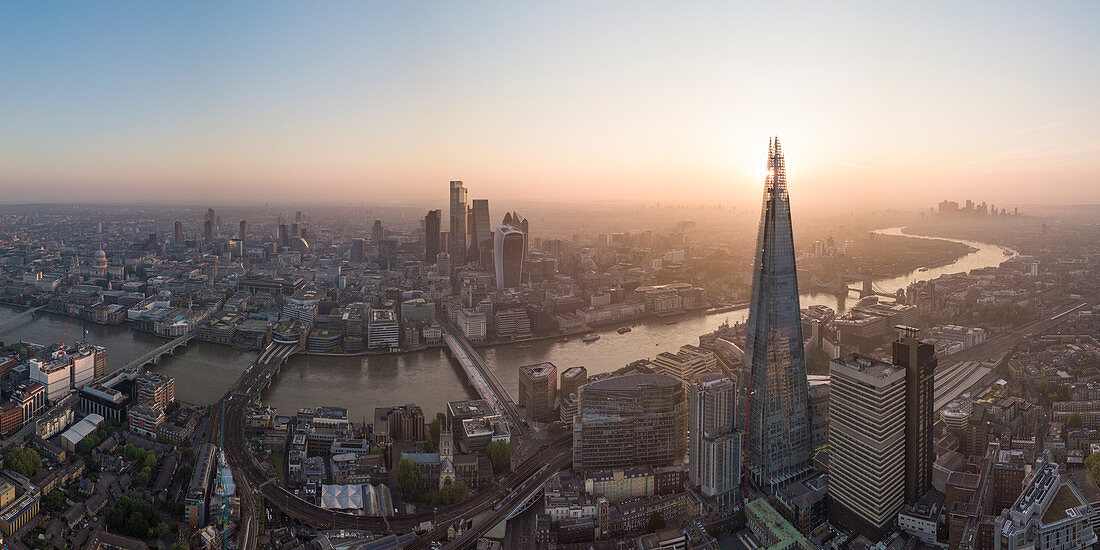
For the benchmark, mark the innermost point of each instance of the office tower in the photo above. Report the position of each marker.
(457, 232)
(481, 232)
(298, 217)
(538, 391)
(284, 235)
(866, 443)
(777, 426)
(376, 232)
(443, 263)
(178, 235)
(296, 229)
(714, 447)
(919, 361)
(572, 379)
(431, 235)
(508, 256)
(630, 421)
(471, 236)
(358, 249)
(519, 222)
(387, 253)
(242, 234)
(208, 233)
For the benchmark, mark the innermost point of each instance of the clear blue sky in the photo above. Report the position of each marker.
(636, 101)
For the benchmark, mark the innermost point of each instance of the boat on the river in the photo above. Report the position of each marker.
(672, 322)
(923, 269)
(524, 345)
(563, 339)
(591, 337)
(1008, 252)
(623, 330)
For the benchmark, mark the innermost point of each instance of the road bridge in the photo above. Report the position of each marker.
(482, 378)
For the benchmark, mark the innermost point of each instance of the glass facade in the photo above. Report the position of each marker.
(777, 427)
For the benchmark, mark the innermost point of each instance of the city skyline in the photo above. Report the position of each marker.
(366, 102)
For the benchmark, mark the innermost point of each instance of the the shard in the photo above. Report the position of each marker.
(776, 423)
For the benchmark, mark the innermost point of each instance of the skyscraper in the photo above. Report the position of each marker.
(458, 223)
(481, 232)
(358, 249)
(538, 391)
(777, 427)
(508, 256)
(866, 443)
(519, 222)
(243, 235)
(284, 235)
(208, 232)
(714, 447)
(431, 235)
(919, 361)
(630, 421)
(178, 237)
(376, 232)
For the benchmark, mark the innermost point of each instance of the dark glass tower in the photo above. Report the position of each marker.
(777, 427)
(919, 361)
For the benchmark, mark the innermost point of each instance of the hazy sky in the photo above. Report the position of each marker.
(630, 101)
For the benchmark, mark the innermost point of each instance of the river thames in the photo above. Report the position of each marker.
(429, 378)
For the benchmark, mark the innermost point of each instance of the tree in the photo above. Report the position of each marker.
(161, 531)
(1074, 421)
(1092, 462)
(180, 546)
(436, 426)
(555, 429)
(150, 459)
(656, 522)
(132, 517)
(455, 492)
(500, 454)
(408, 477)
(23, 460)
(143, 477)
(55, 501)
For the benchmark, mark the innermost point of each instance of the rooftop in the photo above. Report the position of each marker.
(867, 365)
(539, 370)
(1065, 499)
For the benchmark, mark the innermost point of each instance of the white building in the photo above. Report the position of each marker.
(867, 441)
(383, 331)
(55, 374)
(83, 370)
(472, 324)
(714, 447)
(687, 364)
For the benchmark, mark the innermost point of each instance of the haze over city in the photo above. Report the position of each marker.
(620, 102)
(549, 276)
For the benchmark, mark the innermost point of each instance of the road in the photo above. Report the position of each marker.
(530, 473)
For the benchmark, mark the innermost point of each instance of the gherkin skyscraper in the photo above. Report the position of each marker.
(776, 422)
